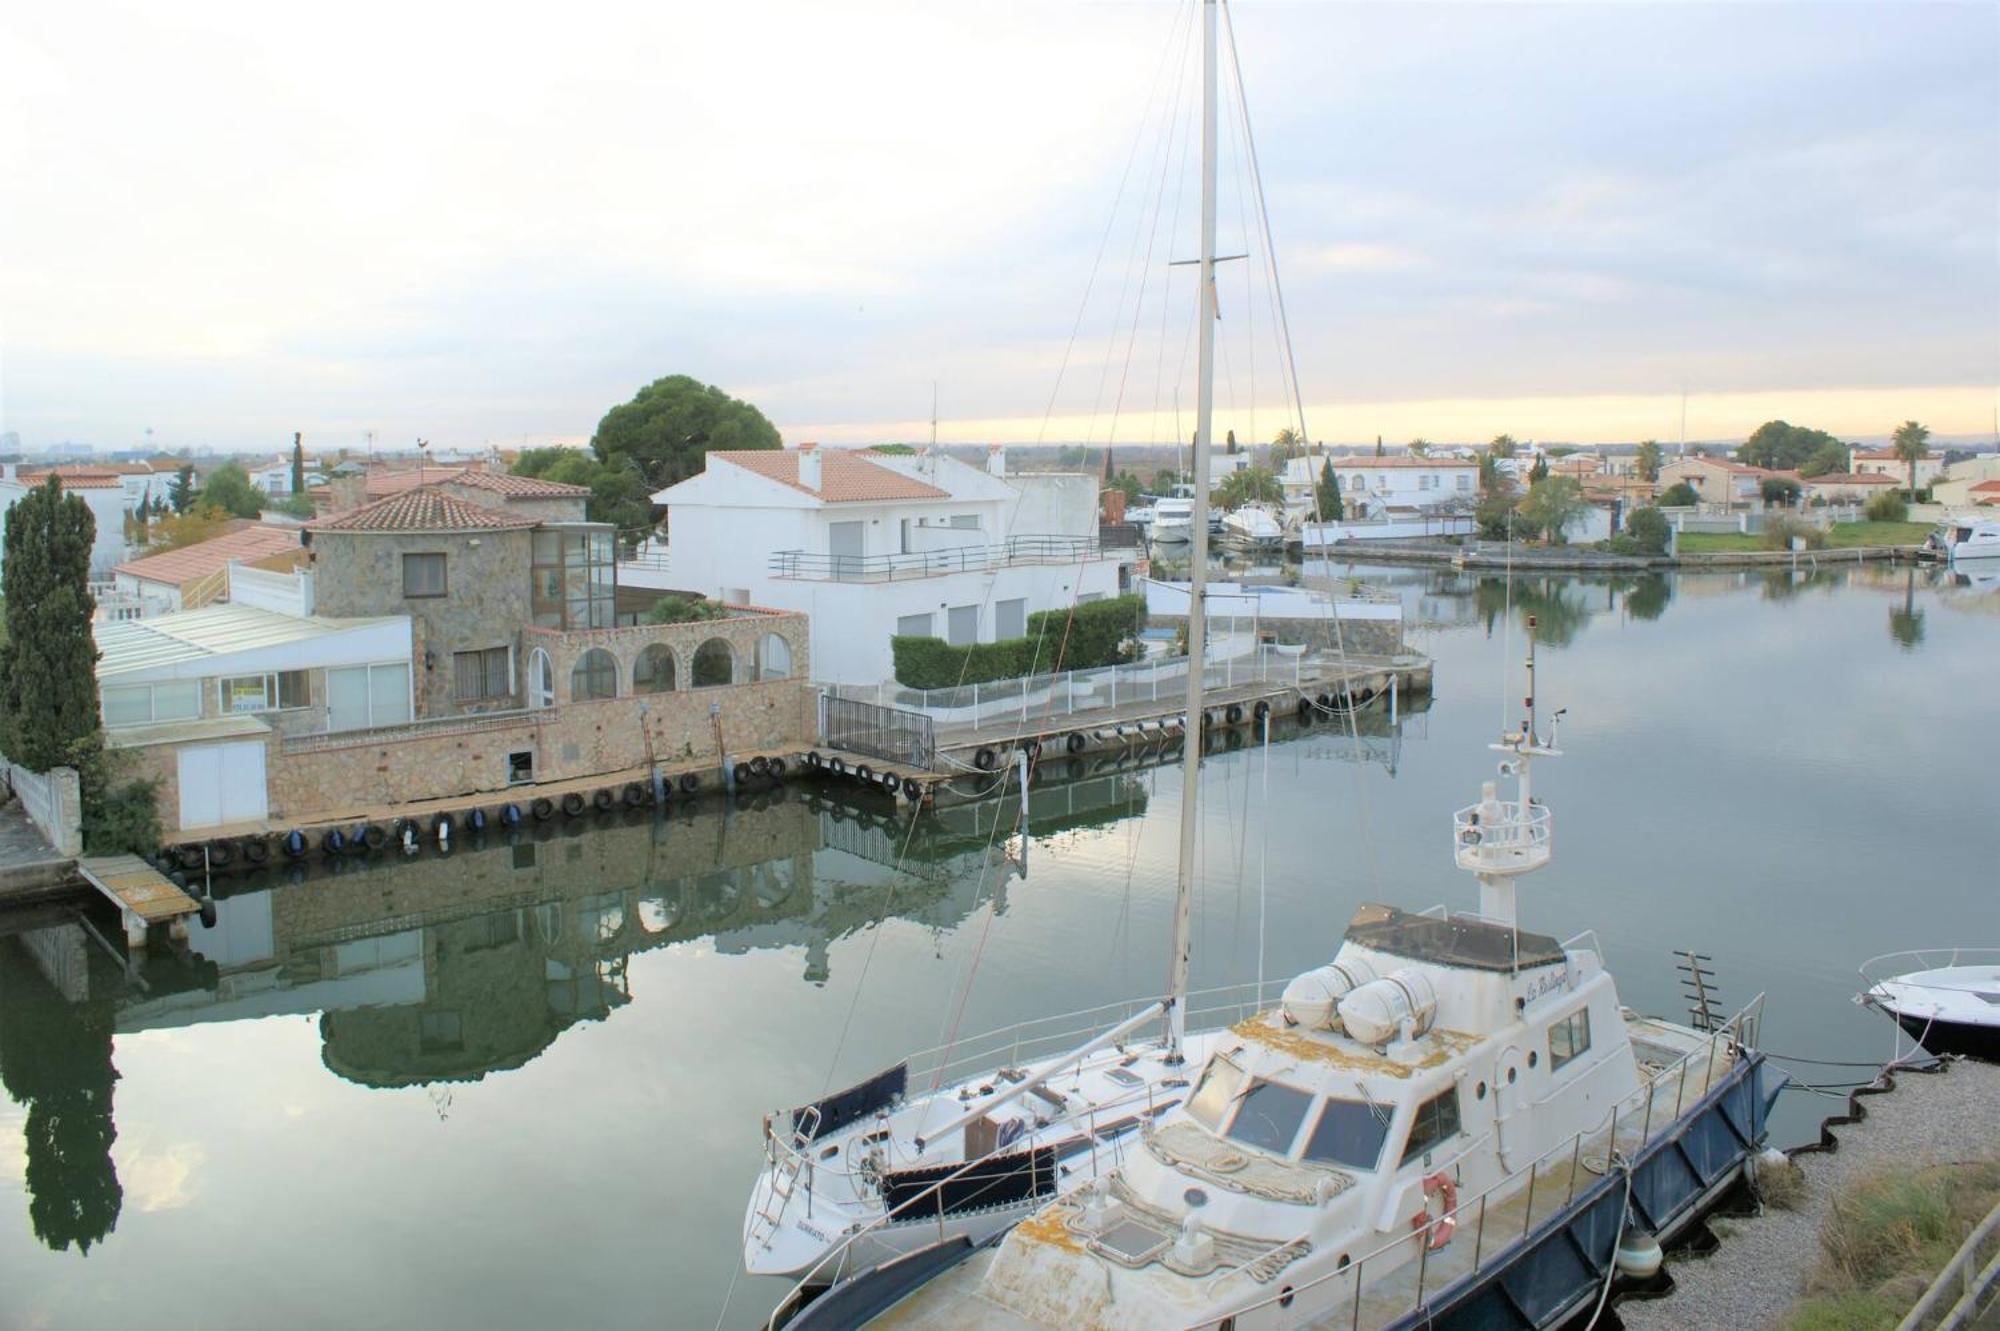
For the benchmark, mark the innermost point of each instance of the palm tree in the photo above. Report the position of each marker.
(1649, 460)
(1912, 445)
(1420, 447)
(1503, 446)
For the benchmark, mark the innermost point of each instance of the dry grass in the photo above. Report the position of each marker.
(1885, 1238)
(1781, 1186)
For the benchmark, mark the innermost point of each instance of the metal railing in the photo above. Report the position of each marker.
(890, 733)
(447, 725)
(1494, 1234)
(980, 558)
(1501, 836)
(1163, 680)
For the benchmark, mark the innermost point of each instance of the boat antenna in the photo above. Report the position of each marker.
(1177, 975)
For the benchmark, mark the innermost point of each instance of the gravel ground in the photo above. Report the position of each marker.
(1754, 1277)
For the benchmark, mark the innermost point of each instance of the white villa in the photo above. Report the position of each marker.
(873, 545)
(1884, 462)
(1379, 486)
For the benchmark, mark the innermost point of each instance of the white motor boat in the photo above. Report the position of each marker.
(1949, 1003)
(1957, 539)
(1173, 522)
(1253, 527)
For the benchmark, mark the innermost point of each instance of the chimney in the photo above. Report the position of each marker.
(345, 492)
(996, 460)
(809, 467)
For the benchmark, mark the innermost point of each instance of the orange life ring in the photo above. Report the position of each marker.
(1441, 1229)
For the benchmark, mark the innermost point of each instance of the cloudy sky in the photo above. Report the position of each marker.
(229, 221)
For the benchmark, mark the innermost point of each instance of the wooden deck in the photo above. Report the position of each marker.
(143, 894)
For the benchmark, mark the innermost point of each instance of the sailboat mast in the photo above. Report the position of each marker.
(1197, 637)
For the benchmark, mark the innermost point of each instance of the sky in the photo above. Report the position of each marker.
(224, 222)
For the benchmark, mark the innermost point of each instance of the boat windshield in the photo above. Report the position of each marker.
(1350, 1133)
(1269, 1117)
(1220, 1081)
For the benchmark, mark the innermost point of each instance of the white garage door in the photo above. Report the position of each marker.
(222, 783)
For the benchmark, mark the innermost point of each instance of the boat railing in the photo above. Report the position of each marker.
(1874, 969)
(1493, 1234)
(1029, 1041)
(1501, 836)
(1040, 1037)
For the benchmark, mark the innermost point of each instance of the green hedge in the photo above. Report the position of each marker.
(1097, 636)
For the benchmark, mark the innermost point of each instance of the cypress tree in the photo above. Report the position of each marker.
(48, 681)
(298, 463)
(181, 492)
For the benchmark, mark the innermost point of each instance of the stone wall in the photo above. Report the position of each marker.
(486, 600)
(322, 778)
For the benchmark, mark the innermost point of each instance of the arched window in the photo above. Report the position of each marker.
(714, 663)
(653, 672)
(541, 679)
(595, 676)
(774, 657)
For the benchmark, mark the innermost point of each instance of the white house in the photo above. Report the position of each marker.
(871, 545)
(101, 489)
(1377, 486)
(213, 684)
(1884, 462)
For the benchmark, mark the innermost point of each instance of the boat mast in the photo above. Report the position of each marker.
(1197, 636)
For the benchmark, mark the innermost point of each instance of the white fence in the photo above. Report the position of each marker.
(53, 802)
(1076, 691)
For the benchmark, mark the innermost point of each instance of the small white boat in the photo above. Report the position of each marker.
(1965, 538)
(1171, 521)
(1253, 527)
(1950, 1002)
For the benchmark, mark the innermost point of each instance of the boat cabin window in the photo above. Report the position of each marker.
(1350, 1133)
(1569, 1037)
(1269, 1117)
(1220, 1081)
(1437, 1119)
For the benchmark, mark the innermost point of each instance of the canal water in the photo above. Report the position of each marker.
(521, 1087)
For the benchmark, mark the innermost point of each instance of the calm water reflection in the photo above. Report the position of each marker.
(521, 1087)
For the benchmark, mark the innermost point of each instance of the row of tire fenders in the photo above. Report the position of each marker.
(1173, 727)
(408, 834)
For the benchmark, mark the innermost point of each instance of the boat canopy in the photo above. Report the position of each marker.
(1455, 940)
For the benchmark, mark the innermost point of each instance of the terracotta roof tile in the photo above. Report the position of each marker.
(510, 486)
(383, 483)
(252, 542)
(74, 476)
(1364, 461)
(1852, 478)
(1987, 487)
(426, 509)
(846, 476)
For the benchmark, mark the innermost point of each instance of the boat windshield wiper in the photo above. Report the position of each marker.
(1382, 1113)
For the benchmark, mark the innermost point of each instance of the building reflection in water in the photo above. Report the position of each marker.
(439, 970)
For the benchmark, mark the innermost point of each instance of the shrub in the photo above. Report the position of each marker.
(1079, 639)
(1779, 531)
(1779, 490)
(1648, 529)
(682, 610)
(119, 818)
(1679, 495)
(1887, 507)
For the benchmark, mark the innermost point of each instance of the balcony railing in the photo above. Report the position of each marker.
(1018, 550)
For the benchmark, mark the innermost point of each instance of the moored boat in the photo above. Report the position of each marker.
(1949, 1002)
(1964, 538)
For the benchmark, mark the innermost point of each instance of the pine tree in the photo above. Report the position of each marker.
(298, 463)
(181, 492)
(48, 681)
(1328, 496)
